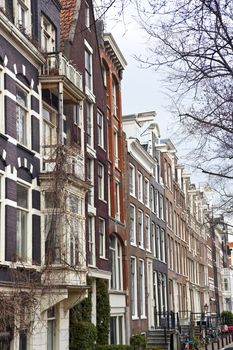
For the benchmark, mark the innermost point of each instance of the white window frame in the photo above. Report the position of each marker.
(116, 266)
(91, 241)
(102, 238)
(52, 125)
(88, 67)
(140, 186)
(148, 237)
(119, 335)
(140, 230)
(26, 211)
(51, 320)
(116, 145)
(146, 192)
(162, 242)
(25, 129)
(90, 177)
(158, 245)
(75, 216)
(142, 302)
(24, 24)
(114, 97)
(89, 116)
(153, 234)
(100, 128)
(101, 181)
(77, 114)
(117, 197)
(132, 227)
(132, 179)
(87, 16)
(134, 294)
(48, 35)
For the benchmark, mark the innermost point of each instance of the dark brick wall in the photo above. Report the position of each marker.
(78, 57)
(35, 134)
(10, 117)
(11, 189)
(36, 239)
(10, 233)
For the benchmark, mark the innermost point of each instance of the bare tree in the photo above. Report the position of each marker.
(193, 41)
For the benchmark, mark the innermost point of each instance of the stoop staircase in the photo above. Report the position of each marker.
(158, 339)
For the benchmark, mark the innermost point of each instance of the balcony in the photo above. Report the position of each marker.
(58, 67)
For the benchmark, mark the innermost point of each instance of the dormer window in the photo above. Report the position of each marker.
(48, 35)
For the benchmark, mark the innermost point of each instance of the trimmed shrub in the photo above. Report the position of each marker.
(102, 311)
(227, 317)
(138, 340)
(113, 347)
(82, 336)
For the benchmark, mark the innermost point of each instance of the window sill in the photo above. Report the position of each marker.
(133, 244)
(103, 258)
(25, 148)
(134, 318)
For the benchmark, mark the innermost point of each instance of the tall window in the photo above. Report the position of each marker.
(90, 194)
(132, 179)
(116, 147)
(162, 241)
(148, 242)
(161, 207)
(49, 130)
(132, 224)
(114, 97)
(76, 114)
(101, 238)
(23, 21)
(142, 287)
(140, 229)
(22, 222)
(134, 303)
(139, 186)
(89, 116)
(146, 192)
(100, 181)
(158, 248)
(116, 329)
(91, 241)
(88, 69)
(51, 328)
(153, 234)
(100, 129)
(87, 15)
(117, 200)
(21, 115)
(48, 35)
(76, 227)
(116, 263)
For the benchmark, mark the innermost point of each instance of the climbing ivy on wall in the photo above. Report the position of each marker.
(103, 311)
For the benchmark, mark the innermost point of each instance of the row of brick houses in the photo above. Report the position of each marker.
(89, 195)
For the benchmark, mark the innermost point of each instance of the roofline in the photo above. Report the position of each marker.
(109, 37)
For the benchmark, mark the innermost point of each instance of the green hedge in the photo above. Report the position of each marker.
(82, 336)
(113, 347)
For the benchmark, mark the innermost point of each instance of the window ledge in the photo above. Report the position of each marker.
(4, 136)
(134, 318)
(25, 148)
(133, 244)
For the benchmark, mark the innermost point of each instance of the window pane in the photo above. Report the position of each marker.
(22, 196)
